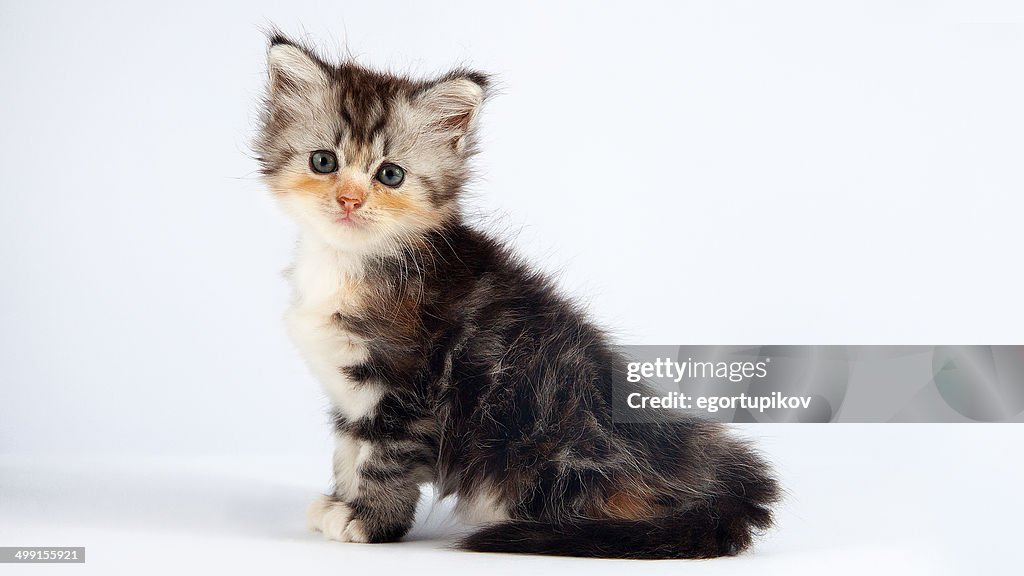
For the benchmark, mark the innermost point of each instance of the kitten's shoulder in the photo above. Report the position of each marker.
(464, 247)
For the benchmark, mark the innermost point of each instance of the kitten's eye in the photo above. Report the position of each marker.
(323, 161)
(390, 175)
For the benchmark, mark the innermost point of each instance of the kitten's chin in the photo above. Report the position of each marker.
(327, 227)
(345, 234)
(325, 231)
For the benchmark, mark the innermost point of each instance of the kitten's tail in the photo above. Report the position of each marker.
(722, 523)
(708, 530)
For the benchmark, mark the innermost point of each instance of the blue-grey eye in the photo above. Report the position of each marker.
(390, 175)
(323, 161)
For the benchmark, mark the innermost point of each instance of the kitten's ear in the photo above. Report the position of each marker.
(293, 69)
(453, 103)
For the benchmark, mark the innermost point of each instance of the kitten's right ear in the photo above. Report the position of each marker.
(292, 68)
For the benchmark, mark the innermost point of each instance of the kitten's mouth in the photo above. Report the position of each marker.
(348, 219)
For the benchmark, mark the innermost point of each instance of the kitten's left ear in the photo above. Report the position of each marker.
(294, 70)
(453, 103)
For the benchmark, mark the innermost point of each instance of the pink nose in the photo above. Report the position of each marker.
(349, 204)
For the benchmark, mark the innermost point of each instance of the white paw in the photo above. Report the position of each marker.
(333, 519)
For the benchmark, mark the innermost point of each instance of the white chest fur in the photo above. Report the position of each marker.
(325, 282)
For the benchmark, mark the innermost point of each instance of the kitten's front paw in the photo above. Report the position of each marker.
(333, 518)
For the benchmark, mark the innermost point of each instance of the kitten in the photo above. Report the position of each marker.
(449, 360)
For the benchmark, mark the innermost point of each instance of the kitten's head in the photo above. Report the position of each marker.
(365, 160)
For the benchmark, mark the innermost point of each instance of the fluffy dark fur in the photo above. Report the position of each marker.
(490, 383)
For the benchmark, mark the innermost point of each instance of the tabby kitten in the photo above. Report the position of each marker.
(449, 360)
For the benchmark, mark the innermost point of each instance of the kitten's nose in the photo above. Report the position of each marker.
(349, 204)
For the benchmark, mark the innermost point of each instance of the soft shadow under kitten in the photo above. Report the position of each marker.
(449, 360)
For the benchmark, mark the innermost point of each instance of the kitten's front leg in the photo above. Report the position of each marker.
(377, 478)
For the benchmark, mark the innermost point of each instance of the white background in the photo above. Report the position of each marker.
(700, 173)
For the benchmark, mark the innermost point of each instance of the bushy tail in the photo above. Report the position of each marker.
(722, 523)
(707, 530)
